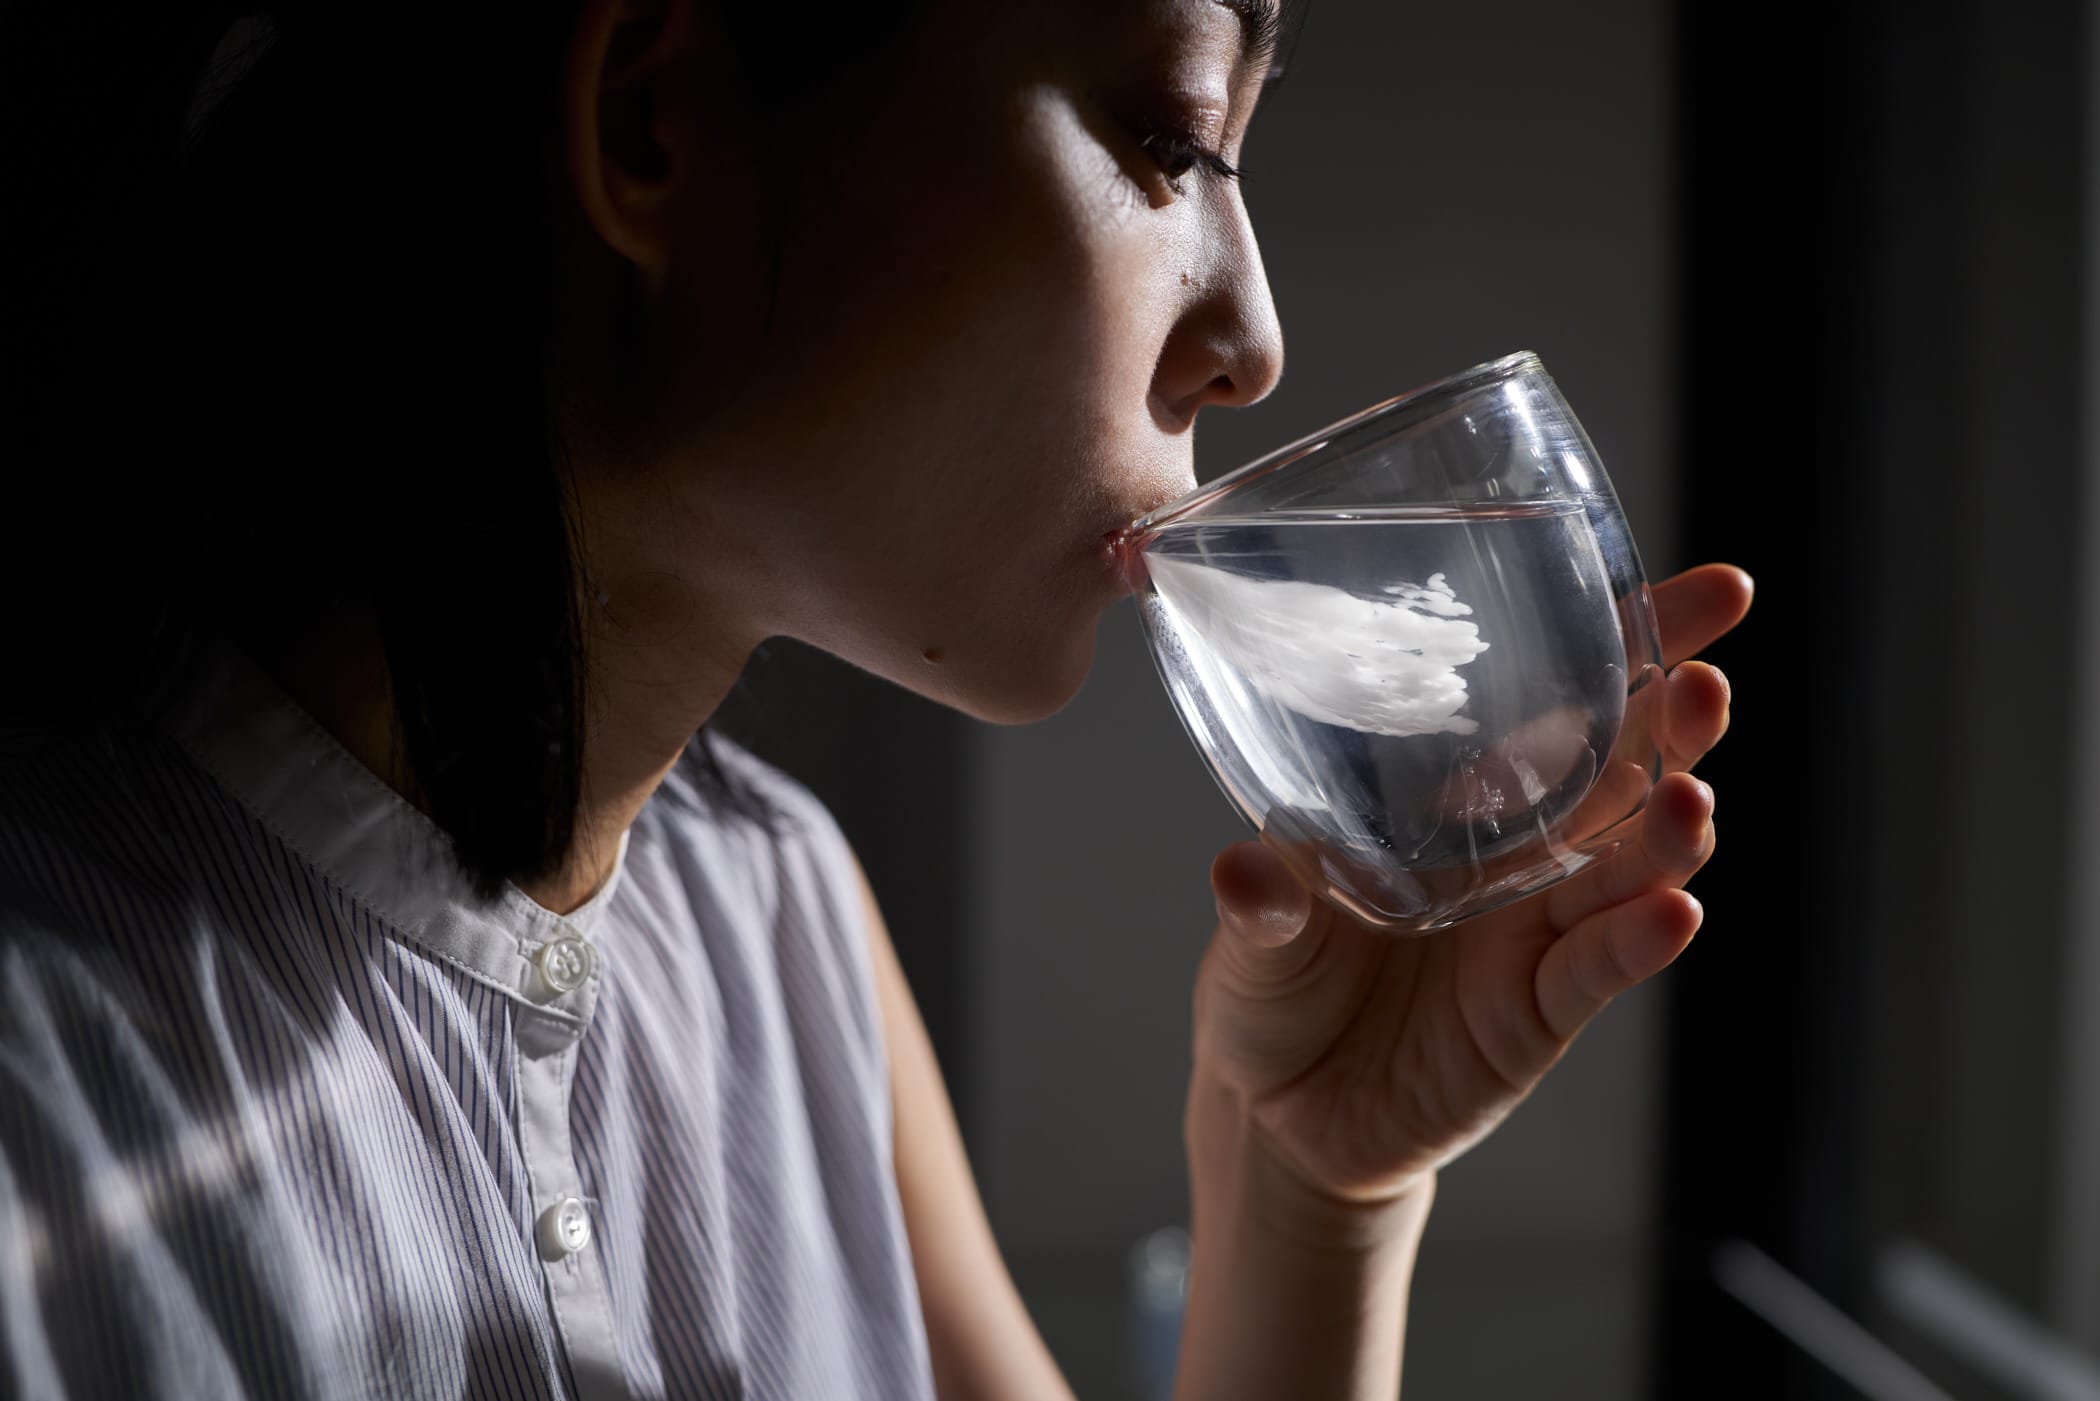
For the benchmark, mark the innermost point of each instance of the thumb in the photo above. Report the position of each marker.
(1261, 905)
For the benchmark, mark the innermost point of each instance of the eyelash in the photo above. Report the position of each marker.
(1176, 155)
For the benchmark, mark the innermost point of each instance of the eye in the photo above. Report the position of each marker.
(1177, 153)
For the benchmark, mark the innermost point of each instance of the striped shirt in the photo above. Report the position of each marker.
(285, 1111)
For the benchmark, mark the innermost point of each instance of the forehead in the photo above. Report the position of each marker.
(1192, 45)
(1230, 38)
(1242, 30)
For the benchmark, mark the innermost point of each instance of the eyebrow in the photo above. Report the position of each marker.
(1261, 22)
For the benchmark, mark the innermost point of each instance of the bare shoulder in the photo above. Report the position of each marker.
(979, 1334)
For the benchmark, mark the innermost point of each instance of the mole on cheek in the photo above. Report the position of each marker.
(932, 654)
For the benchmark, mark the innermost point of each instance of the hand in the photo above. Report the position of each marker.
(1363, 1060)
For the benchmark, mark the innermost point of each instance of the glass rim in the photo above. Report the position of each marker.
(1438, 394)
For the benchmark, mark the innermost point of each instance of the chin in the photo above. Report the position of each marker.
(1015, 685)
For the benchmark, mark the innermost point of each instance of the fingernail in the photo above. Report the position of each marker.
(1727, 691)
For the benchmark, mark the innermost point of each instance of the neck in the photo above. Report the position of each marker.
(646, 700)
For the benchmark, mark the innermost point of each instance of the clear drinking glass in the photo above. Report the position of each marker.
(1416, 648)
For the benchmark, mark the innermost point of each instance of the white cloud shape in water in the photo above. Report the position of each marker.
(1382, 667)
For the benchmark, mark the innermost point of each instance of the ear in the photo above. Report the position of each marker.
(629, 122)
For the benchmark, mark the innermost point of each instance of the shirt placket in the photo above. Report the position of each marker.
(564, 1233)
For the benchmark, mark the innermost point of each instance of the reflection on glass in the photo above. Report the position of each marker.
(1411, 649)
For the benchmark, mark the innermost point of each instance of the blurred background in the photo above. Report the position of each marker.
(1820, 284)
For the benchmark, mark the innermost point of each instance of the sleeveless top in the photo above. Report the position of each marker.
(286, 1111)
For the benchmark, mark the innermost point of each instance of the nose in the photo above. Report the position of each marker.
(1226, 346)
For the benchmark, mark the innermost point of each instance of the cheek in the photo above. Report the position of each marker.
(966, 347)
(1007, 248)
(980, 342)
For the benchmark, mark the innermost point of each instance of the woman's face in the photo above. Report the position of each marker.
(999, 307)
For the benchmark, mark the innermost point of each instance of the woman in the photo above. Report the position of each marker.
(406, 995)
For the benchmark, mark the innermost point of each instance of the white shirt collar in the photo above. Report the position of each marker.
(361, 835)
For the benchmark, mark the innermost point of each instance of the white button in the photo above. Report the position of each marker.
(563, 1229)
(566, 962)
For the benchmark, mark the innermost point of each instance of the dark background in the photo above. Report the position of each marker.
(1818, 283)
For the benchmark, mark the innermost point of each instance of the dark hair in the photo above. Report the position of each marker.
(277, 301)
(278, 294)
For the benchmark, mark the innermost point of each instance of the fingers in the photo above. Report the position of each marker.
(1259, 901)
(1618, 791)
(1676, 837)
(1284, 959)
(1695, 714)
(1697, 606)
(1608, 952)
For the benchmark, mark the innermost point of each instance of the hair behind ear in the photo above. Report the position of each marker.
(287, 340)
(277, 329)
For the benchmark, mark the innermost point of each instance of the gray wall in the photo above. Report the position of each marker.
(2075, 1286)
(1433, 186)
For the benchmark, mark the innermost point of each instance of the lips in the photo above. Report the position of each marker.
(1124, 558)
(1120, 550)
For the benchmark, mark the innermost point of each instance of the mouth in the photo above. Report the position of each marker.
(1121, 550)
(1122, 553)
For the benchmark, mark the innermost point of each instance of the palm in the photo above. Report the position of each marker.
(1369, 1059)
